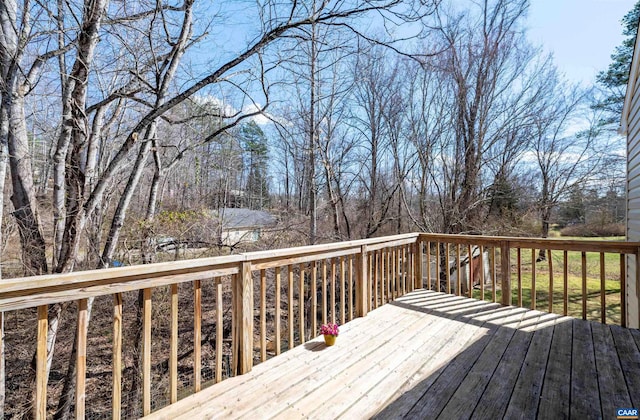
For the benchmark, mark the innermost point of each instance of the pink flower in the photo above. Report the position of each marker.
(329, 329)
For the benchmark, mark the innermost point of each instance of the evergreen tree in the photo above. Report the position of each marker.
(255, 145)
(613, 81)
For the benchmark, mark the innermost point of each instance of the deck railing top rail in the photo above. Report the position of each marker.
(620, 247)
(28, 292)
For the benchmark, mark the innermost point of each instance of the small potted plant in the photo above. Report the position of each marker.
(330, 332)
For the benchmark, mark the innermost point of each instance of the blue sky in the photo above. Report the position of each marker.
(582, 34)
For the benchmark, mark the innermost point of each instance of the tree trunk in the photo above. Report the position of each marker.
(23, 198)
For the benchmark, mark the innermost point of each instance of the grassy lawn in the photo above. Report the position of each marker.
(574, 284)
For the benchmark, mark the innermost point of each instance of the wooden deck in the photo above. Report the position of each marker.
(431, 355)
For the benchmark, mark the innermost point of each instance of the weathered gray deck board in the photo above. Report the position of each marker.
(629, 360)
(585, 397)
(556, 390)
(611, 382)
(432, 355)
(525, 397)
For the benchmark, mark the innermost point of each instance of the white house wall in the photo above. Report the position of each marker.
(632, 123)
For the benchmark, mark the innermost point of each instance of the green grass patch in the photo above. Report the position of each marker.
(557, 291)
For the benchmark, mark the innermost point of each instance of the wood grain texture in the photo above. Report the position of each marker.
(584, 285)
(290, 315)
(278, 312)
(314, 298)
(263, 315)
(324, 292)
(440, 356)
(81, 359)
(197, 336)
(146, 351)
(173, 346)
(116, 371)
(41, 364)
(556, 389)
(585, 397)
(219, 329)
(565, 279)
(333, 290)
(550, 262)
(505, 269)
(301, 304)
(603, 291)
(343, 294)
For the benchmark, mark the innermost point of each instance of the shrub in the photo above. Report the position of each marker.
(592, 230)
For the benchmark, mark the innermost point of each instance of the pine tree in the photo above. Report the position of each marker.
(255, 144)
(613, 81)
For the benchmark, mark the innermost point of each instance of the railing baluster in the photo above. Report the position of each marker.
(197, 335)
(550, 259)
(369, 258)
(301, 303)
(429, 265)
(116, 397)
(81, 359)
(494, 294)
(41, 364)
(446, 267)
(324, 291)
(314, 298)
(565, 275)
(470, 264)
(263, 315)
(584, 285)
(343, 316)
(418, 271)
(146, 351)
(405, 268)
(505, 268)
(458, 274)
(603, 291)
(438, 268)
(623, 291)
(290, 307)
(362, 286)
(219, 328)
(388, 273)
(393, 276)
(333, 290)
(278, 314)
(519, 256)
(173, 346)
(481, 265)
(533, 278)
(351, 289)
(378, 277)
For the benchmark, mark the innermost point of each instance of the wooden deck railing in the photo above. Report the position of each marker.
(278, 298)
(587, 278)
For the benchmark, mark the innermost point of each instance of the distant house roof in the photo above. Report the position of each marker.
(238, 218)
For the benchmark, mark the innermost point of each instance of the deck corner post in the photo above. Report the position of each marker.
(505, 260)
(242, 341)
(362, 283)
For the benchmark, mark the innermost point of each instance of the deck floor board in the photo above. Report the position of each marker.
(433, 355)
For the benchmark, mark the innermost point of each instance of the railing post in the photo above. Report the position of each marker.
(242, 298)
(362, 284)
(505, 260)
(417, 281)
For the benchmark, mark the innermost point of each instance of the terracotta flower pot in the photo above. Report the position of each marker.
(329, 340)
